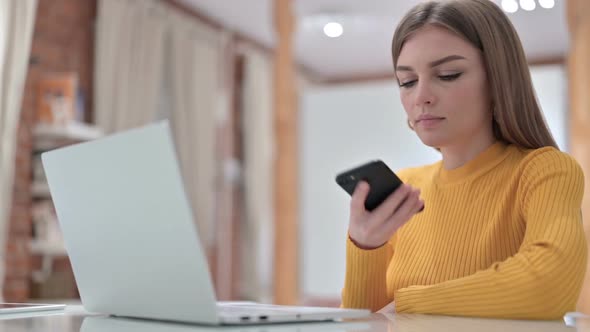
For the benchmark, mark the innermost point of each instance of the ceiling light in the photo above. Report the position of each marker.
(547, 3)
(333, 29)
(510, 6)
(528, 5)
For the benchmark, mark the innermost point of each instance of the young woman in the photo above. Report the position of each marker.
(501, 233)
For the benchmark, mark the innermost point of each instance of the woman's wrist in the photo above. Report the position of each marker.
(363, 247)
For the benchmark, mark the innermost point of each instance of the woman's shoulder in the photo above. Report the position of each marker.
(548, 161)
(547, 158)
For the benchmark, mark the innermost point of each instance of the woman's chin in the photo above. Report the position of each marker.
(431, 141)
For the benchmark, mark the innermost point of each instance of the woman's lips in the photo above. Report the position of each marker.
(429, 121)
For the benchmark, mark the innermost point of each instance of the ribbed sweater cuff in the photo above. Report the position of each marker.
(375, 260)
(407, 299)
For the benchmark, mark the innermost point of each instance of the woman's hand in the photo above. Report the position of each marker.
(370, 230)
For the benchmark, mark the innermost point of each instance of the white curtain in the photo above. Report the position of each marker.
(128, 63)
(17, 19)
(197, 97)
(153, 62)
(258, 128)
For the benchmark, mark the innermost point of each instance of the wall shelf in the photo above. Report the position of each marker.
(40, 189)
(47, 137)
(47, 248)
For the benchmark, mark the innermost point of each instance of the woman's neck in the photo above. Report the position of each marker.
(457, 155)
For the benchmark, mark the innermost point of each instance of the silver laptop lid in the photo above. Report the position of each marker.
(128, 227)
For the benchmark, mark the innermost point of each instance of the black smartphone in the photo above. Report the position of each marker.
(380, 177)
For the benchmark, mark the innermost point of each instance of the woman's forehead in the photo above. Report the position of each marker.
(432, 42)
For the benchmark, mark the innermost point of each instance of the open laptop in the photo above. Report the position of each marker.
(131, 238)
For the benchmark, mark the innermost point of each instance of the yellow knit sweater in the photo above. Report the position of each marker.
(501, 236)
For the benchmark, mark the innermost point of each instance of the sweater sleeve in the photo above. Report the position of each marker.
(365, 280)
(544, 278)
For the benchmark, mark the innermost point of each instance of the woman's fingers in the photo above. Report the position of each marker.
(403, 214)
(370, 229)
(391, 204)
(359, 196)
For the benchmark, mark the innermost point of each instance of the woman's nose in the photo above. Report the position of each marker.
(424, 94)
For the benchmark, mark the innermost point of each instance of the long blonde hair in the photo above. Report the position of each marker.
(517, 117)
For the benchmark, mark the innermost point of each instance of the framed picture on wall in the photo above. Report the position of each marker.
(56, 98)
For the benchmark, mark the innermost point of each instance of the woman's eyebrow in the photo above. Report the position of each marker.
(434, 63)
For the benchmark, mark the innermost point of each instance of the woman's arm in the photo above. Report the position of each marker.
(366, 270)
(543, 280)
(365, 280)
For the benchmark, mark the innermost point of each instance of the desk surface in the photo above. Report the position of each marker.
(75, 319)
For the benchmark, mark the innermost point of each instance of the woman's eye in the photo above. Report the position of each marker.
(450, 77)
(407, 84)
(411, 83)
